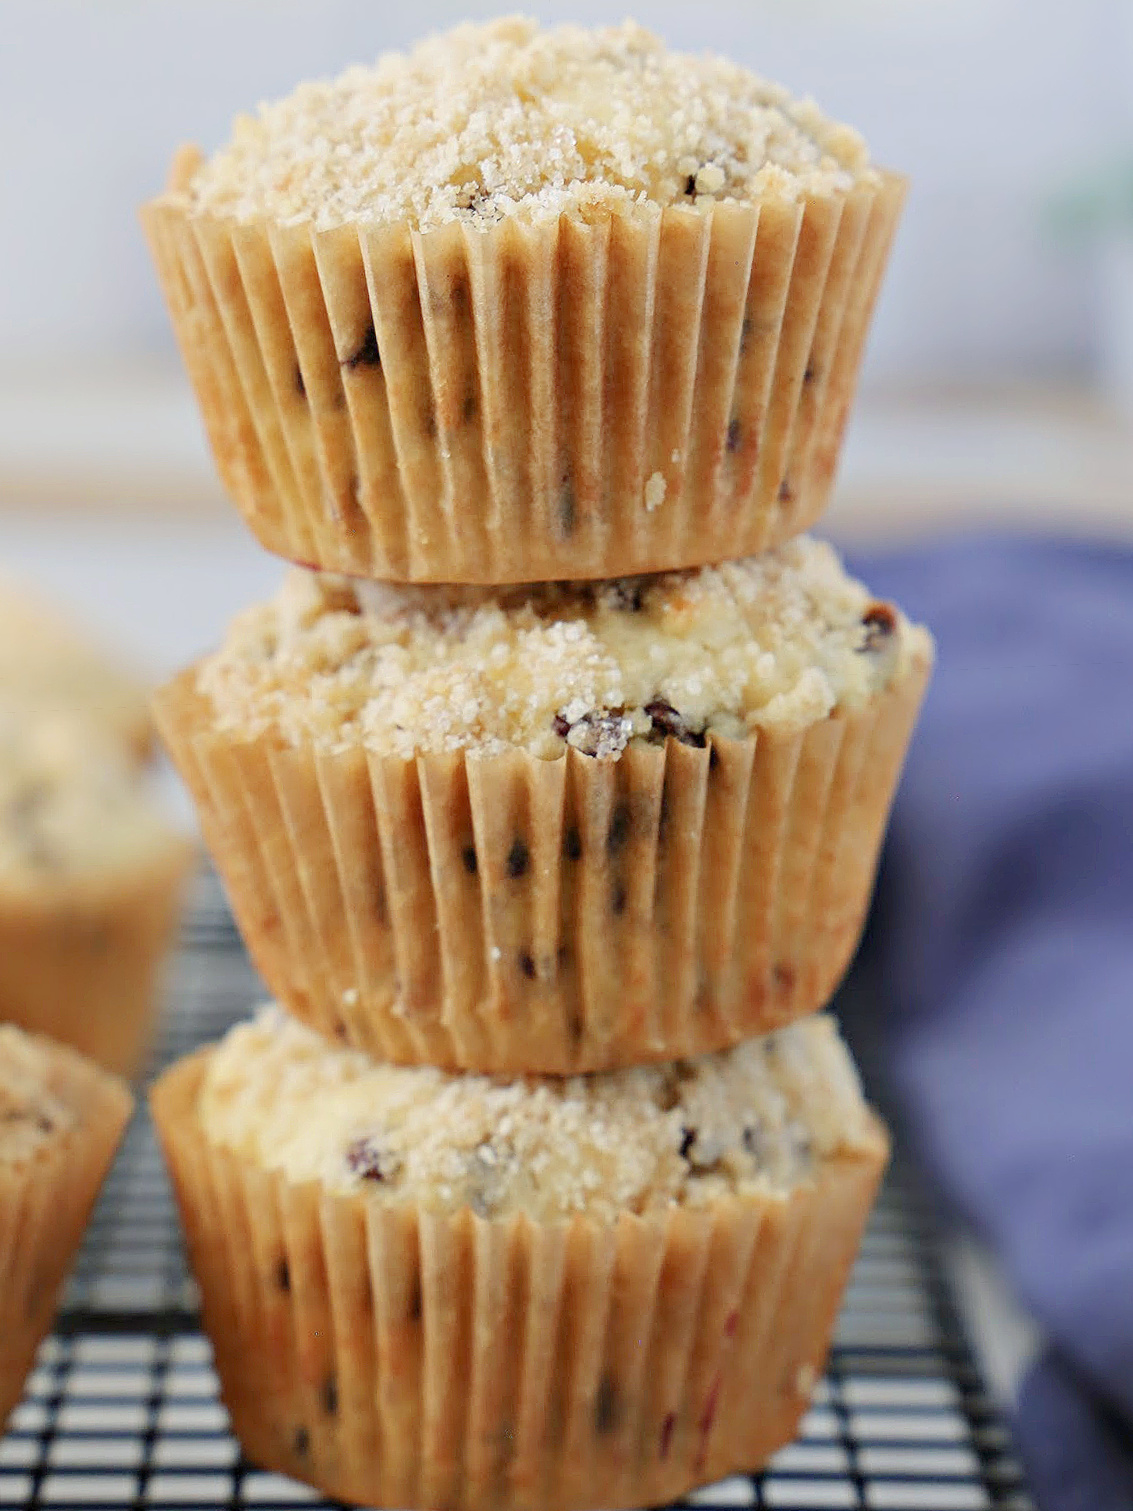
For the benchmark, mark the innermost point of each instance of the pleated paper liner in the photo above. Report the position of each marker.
(510, 914)
(585, 397)
(398, 1358)
(81, 961)
(44, 1207)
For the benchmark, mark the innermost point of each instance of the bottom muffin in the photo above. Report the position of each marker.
(430, 1290)
(60, 1122)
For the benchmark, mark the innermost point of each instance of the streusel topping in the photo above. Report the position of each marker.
(769, 642)
(505, 118)
(686, 1133)
(31, 1114)
(72, 802)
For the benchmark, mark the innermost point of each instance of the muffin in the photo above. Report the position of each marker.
(48, 662)
(435, 1290)
(526, 304)
(557, 828)
(60, 1122)
(91, 877)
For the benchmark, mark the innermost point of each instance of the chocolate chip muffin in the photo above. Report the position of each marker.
(426, 1289)
(560, 828)
(526, 304)
(60, 1122)
(90, 884)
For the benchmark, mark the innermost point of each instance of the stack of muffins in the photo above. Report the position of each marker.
(551, 819)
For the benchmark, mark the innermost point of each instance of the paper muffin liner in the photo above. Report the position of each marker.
(400, 1358)
(81, 962)
(44, 1206)
(582, 397)
(505, 913)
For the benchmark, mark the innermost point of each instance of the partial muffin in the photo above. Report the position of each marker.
(558, 828)
(435, 1290)
(48, 661)
(91, 878)
(60, 1122)
(526, 304)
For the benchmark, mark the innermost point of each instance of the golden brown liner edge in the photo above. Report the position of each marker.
(509, 914)
(633, 391)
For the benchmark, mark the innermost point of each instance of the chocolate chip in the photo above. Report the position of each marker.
(735, 431)
(713, 758)
(301, 1442)
(786, 493)
(618, 899)
(330, 1396)
(283, 1275)
(572, 843)
(527, 965)
(811, 373)
(568, 507)
(366, 354)
(879, 622)
(369, 1162)
(607, 1408)
(667, 1433)
(668, 723)
(688, 1138)
(561, 726)
(690, 186)
(621, 821)
(784, 977)
(627, 594)
(468, 856)
(518, 859)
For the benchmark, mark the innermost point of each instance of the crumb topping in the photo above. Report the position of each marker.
(488, 121)
(49, 661)
(71, 801)
(685, 1133)
(31, 1114)
(772, 642)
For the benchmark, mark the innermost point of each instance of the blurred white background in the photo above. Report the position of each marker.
(985, 394)
(988, 104)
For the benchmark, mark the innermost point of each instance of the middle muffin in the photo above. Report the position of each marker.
(559, 828)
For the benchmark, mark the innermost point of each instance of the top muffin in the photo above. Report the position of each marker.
(504, 119)
(527, 304)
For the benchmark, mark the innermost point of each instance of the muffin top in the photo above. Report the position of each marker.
(50, 662)
(772, 642)
(503, 119)
(685, 1133)
(73, 805)
(31, 1113)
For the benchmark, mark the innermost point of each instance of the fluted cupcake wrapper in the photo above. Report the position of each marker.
(44, 1207)
(401, 1358)
(629, 392)
(81, 962)
(505, 913)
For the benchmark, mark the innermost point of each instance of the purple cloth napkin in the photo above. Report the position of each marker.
(996, 980)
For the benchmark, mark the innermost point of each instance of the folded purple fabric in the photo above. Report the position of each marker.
(997, 974)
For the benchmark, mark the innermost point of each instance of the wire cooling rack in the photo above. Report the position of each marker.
(122, 1408)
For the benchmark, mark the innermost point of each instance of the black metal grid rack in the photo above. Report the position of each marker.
(122, 1408)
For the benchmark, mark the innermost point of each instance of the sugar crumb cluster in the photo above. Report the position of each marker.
(621, 1141)
(769, 642)
(504, 118)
